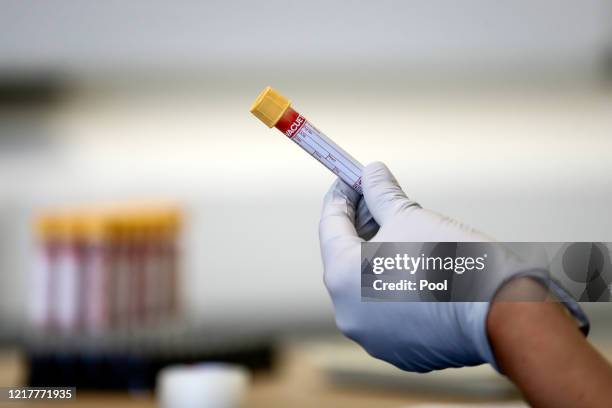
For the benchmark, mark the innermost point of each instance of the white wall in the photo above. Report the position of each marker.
(89, 37)
(520, 165)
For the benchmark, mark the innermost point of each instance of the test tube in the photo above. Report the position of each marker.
(275, 110)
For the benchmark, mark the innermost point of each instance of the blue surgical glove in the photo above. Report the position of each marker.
(414, 336)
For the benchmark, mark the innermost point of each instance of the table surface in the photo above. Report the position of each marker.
(296, 382)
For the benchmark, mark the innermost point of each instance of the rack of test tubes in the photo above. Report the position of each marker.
(104, 309)
(100, 270)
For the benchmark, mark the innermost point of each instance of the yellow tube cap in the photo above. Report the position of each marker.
(270, 106)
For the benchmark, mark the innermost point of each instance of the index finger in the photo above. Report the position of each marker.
(337, 225)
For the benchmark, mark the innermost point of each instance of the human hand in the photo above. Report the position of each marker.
(414, 336)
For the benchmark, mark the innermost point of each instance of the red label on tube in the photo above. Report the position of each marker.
(290, 123)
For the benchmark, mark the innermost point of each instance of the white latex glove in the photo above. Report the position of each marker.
(411, 335)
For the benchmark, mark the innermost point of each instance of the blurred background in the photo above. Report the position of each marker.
(495, 113)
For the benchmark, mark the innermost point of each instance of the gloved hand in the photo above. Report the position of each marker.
(414, 336)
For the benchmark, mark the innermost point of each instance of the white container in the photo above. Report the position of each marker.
(209, 385)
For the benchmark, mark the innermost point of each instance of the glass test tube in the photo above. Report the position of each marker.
(275, 110)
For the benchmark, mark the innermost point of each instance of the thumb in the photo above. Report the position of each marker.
(383, 195)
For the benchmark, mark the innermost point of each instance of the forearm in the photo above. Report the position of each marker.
(539, 347)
